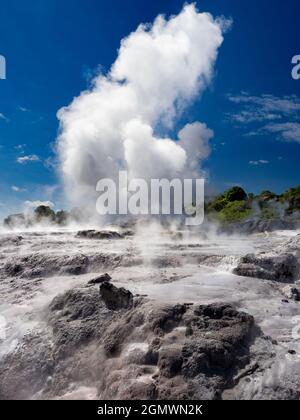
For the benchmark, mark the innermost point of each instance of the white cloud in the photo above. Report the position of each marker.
(279, 114)
(246, 117)
(29, 158)
(258, 162)
(289, 131)
(18, 189)
(159, 70)
(265, 106)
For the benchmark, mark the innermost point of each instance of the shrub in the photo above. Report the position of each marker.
(44, 212)
(61, 217)
(267, 196)
(292, 196)
(235, 211)
(235, 194)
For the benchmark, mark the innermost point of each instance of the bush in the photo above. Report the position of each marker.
(235, 211)
(44, 212)
(269, 213)
(267, 196)
(229, 196)
(62, 217)
(218, 204)
(235, 194)
(292, 196)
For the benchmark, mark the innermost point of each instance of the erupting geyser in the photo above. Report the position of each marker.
(159, 70)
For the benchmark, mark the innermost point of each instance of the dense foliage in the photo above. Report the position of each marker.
(235, 205)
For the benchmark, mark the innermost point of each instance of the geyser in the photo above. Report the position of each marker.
(121, 122)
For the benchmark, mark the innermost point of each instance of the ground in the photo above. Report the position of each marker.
(199, 324)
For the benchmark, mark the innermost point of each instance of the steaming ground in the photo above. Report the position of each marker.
(169, 267)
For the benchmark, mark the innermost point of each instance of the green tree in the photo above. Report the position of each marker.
(44, 212)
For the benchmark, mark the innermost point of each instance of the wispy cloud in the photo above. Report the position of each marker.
(289, 131)
(246, 117)
(258, 162)
(279, 115)
(28, 158)
(266, 106)
(23, 109)
(18, 189)
(20, 147)
(3, 117)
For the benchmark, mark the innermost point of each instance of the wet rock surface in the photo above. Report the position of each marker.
(115, 298)
(281, 264)
(164, 351)
(100, 279)
(269, 267)
(159, 327)
(99, 234)
(45, 265)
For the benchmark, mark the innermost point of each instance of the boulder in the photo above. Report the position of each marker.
(100, 279)
(115, 298)
(280, 268)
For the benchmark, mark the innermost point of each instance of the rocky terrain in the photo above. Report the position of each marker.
(149, 314)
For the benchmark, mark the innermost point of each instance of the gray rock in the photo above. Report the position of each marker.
(144, 350)
(280, 268)
(291, 292)
(100, 279)
(45, 264)
(99, 234)
(115, 298)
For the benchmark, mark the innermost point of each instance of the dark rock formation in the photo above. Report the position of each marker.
(142, 351)
(218, 337)
(35, 265)
(99, 234)
(115, 298)
(269, 267)
(40, 265)
(100, 279)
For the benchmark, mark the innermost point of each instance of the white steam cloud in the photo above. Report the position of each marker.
(159, 70)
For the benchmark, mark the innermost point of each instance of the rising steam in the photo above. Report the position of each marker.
(113, 126)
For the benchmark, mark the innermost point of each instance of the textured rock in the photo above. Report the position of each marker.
(115, 298)
(291, 292)
(100, 279)
(142, 351)
(267, 266)
(99, 234)
(45, 264)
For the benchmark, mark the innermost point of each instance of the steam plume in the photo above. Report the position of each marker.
(159, 70)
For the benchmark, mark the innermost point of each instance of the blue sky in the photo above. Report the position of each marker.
(52, 48)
